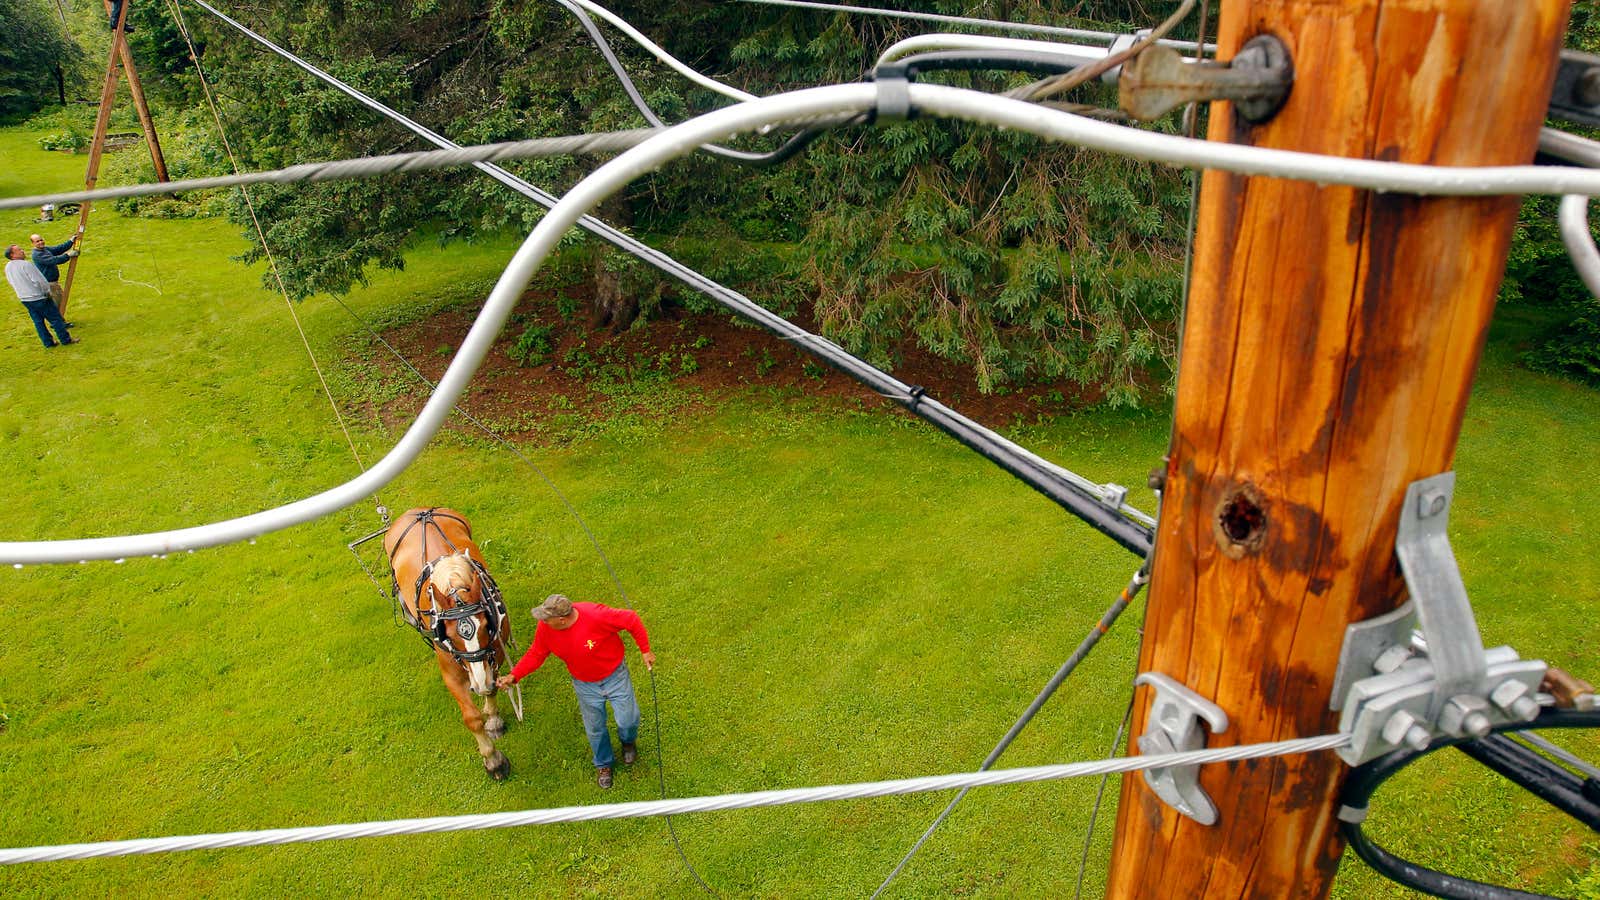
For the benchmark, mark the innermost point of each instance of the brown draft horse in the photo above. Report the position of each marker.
(447, 594)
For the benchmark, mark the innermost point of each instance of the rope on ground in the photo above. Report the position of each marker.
(661, 774)
(648, 808)
(1136, 584)
(272, 262)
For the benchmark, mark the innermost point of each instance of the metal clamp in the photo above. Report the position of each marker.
(1576, 96)
(1396, 686)
(1174, 726)
(1160, 79)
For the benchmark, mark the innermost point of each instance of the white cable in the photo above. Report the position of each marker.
(678, 66)
(1024, 27)
(1573, 218)
(924, 42)
(801, 107)
(644, 808)
(362, 166)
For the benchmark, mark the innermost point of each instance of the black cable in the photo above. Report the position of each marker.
(1535, 773)
(1101, 628)
(661, 772)
(1099, 797)
(797, 142)
(1366, 778)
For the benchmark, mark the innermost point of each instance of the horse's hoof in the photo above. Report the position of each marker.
(498, 766)
(495, 728)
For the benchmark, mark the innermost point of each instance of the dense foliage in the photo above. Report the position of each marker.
(1019, 258)
(1539, 274)
(36, 57)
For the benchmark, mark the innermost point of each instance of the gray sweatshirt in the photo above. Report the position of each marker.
(26, 280)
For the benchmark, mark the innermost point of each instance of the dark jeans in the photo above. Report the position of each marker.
(116, 13)
(44, 310)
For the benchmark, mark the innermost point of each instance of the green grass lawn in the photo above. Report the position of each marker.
(834, 594)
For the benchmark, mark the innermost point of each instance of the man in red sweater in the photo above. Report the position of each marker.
(586, 637)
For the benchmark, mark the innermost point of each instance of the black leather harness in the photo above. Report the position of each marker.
(430, 622)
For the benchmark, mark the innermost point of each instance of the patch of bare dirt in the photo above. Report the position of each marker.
(708, 354)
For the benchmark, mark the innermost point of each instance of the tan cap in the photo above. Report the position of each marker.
(555, 606)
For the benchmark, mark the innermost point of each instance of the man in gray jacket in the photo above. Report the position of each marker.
(49, 260)
(34, 292)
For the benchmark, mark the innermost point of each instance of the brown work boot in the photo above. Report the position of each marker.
(630, 754)
(602, 776)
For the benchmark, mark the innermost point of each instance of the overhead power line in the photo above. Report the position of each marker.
(1102, 508)
(605, 142)
(992, 24)
(805, 107)
(646, 808)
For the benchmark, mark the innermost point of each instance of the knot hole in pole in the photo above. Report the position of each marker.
(1241, 521)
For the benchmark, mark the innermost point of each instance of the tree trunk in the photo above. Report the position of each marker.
(609, 304)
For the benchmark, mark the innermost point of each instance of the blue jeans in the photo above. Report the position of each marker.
(44, 310)
(592, 697)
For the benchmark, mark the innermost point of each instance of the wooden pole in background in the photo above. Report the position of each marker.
(151, 139)
(97, 146)
(1330, 343)
(148, 124)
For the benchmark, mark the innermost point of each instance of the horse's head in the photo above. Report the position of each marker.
(468, 618)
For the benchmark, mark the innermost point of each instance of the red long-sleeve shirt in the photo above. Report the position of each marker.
(591, 647)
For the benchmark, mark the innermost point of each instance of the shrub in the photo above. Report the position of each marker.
(71, 140)
(533, 347)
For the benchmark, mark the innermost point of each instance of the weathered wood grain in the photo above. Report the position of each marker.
(1330, 343)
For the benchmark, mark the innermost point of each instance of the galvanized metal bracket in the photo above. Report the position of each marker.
(1443, 611)
(1397, 687)
(1174, 725)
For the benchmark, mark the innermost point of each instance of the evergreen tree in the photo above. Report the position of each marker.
(36, 57)
(1020, 258)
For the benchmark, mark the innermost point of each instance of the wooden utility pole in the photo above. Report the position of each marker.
(108, 95)
(1330, 343)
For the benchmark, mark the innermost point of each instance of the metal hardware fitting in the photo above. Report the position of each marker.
(1174, 725)
(1576, 97)
(1395, 687)
(1160, 79)
(1113, 495)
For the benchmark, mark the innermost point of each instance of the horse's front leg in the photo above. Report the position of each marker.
(494, 762)
(493, 724)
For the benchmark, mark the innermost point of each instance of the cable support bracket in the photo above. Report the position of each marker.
(1421, 673)
(1160, 79)
(1173, 726)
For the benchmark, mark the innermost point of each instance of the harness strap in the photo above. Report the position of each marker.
(432, 631)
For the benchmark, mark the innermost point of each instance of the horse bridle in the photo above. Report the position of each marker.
(431, 622)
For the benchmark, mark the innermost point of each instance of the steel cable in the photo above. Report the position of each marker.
(807, 106)
(647, 808)
(1101, 628)
(364, 166)
(996, 25)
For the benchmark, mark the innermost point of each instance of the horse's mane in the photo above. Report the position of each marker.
(453, 571)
